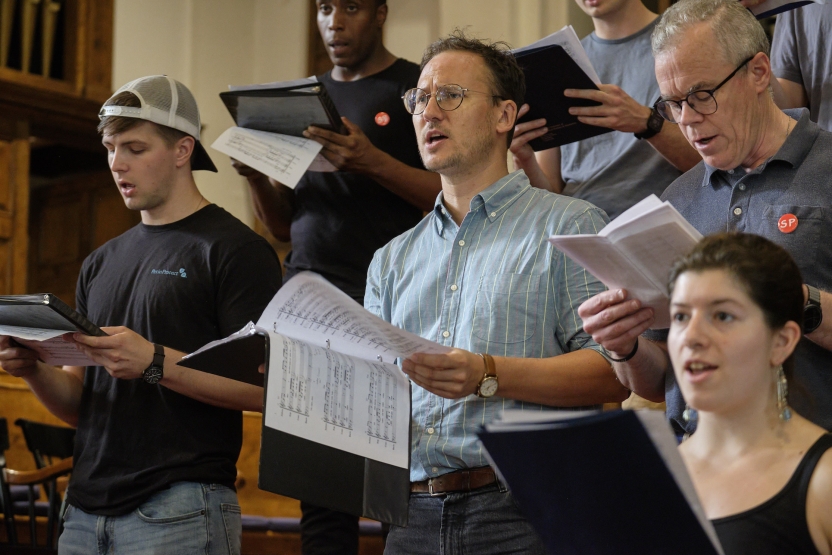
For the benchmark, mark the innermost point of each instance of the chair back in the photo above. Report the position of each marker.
(51, 446)
(48, 443)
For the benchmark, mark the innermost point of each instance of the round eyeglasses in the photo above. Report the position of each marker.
(701, 102)
(448, 98)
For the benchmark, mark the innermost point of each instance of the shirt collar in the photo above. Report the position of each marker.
(493, 200)
(793, 151)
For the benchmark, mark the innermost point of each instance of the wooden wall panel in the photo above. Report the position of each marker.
(69, 220)
(14, 206)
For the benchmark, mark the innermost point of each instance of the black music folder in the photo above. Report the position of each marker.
(285, 109)
(550, 70)
(300, 468)
(44, 311)
(606, 483)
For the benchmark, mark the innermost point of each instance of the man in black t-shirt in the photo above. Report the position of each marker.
(336, 221)
(157, 444)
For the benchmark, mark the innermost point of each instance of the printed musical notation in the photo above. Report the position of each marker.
(337, 400)
(281, 157)
(331, 377)
(383, 404)
(312, 309)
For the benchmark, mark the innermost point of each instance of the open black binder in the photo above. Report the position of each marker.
(602, 484)
(549, 70)
(285, 110)
(300, 468)
(44, 311)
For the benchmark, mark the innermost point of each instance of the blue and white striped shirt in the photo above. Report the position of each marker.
(494, 285)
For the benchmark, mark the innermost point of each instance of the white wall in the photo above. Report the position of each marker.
(209, 44)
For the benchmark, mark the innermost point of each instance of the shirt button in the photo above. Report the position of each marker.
(454, 287)
(731, 172)
(446, 334)
(430, 430)
(737, 211)
(493, 214)
(462, 243)
(742, 187)
(434, 470)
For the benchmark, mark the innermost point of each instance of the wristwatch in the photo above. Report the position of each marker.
(654, 125)
(156, 371)
(488, 384)
(812, 311)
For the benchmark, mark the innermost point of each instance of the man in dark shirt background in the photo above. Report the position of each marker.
(336, 221)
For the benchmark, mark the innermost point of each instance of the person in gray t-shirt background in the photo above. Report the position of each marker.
(615, 170)
(802, 62)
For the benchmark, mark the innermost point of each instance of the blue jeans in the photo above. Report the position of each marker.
(483, 521)
(187, 518)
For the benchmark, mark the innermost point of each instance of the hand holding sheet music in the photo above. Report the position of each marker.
(545, 88)
(331, 372)
(337, 410)
(635, 252)
(38, 322)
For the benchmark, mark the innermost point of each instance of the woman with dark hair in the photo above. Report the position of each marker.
(762, 471)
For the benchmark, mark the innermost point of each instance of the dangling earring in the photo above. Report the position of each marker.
(782, 394)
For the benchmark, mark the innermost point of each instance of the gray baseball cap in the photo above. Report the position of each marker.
(167, 102)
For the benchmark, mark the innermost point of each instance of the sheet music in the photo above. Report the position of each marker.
(568, 40)
(355, 405)
(655, 424)
(50, 346)
(635, 252)
(313, 310)
(280, 157)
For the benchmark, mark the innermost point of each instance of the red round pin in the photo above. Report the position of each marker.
(787, 223)
(382, 118)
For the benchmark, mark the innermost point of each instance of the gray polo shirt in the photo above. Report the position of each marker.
(796, 181)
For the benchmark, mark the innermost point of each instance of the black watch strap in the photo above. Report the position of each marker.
(812, 311)
(654, 125)
(155, 372)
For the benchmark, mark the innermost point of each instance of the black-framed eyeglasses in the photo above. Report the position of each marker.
(701, 102)
(448, 98)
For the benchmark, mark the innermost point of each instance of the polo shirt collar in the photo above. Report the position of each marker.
(794, 149)
(494, 200)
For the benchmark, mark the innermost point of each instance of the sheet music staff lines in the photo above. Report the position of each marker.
(277, 157)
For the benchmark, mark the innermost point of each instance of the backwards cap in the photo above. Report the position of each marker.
(167, 102)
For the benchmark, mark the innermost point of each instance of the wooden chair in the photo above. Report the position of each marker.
(47, 443)
(46, 446)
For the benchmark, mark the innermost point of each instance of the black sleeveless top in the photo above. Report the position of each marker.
(778, 526)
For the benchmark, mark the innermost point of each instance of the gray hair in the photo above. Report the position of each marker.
(737, 32)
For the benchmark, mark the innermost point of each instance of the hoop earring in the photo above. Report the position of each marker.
(782, 393)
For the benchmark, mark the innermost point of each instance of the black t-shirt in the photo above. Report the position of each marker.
(182, 285)
(342, 218)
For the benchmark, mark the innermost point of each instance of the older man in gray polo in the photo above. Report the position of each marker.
(763, 171)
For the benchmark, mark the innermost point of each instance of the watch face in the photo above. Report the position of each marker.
(811, 318)
(488, 387)
(152, 375)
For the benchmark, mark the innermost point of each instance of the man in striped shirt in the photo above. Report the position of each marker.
(477, 274)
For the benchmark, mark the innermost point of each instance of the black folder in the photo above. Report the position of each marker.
(597, 485)
(549, 70)
(285, 110)
(44, 311)
(300, 468)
